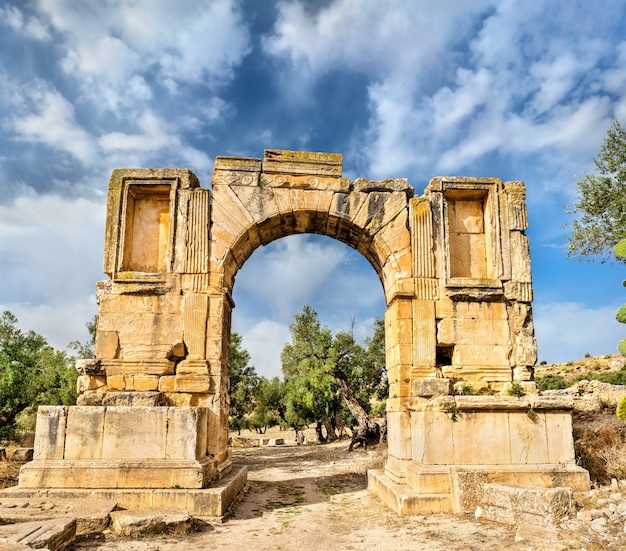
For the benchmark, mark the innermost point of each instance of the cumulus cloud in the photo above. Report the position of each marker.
(108, 44)
(29, 26)
(51, 120)
(453, 83)
(288, 273)
(51, 253)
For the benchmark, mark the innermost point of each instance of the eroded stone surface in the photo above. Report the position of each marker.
(91, 515)
(54, 535)
(150, 521)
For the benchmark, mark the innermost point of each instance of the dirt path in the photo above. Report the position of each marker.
(316, 497)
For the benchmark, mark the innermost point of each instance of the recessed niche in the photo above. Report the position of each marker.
(469, 234)
(147, 229)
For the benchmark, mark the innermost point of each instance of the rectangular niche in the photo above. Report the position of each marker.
(147, 229)
(469, 234)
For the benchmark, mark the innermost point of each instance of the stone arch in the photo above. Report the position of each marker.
(254, 207)
(455, 269)
(255, 202)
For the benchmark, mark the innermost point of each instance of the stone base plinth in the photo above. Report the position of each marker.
(403, 499)
(117, 474)
(443, 450)
(214, 501)
(122, 447)
(461, 488)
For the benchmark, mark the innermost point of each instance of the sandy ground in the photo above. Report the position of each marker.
(316, 497)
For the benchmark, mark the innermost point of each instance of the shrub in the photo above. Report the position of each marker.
(612, 378)
(551, 382)
(516, 389)
(603, 453)
(620, 411)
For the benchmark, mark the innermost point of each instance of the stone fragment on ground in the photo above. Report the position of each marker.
(54, 535)
(141, 522)
(22, 454)
(91, 515)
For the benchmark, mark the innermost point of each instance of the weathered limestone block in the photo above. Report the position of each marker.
(144, 522)
(22, 454)
(186, 433)
(87, 382)
(84, 433)
(518, 504)
(302, 162)
(136, 399)
(390, 184)
(429, 387)
(53, 535)
(90, 366)
(107, 344)
(137, 433)
(50, 432)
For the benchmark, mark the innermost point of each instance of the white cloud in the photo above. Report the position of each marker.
(287, 274)
(31, 26)
(51, 254)
(108, 44)
(51, 120)
(453, 83)
(264, 339)
(568, 330)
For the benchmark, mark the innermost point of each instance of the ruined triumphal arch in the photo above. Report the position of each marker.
(152, 417)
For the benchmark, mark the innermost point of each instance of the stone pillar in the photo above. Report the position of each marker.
(518, 289)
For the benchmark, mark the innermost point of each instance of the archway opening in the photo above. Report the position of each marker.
(279, 281)
(280, 278)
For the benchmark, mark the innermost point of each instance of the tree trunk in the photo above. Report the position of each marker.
(362, 418)
(330, 430)
(339, 424)
(318, 432)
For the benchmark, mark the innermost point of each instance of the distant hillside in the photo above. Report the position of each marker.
(595, 367)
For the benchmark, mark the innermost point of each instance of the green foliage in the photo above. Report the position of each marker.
(551, 382)
(621, 314)
(600, 210)
(331, 380)
(620, 252)
(620, 411)
(612, 377)
(516, 389)
(269, 409)
(466, 389)
(622, 347)
(378, 409)
(86, 350)
(243, 382)
(32, 373)
(311, 393)
(620, 249)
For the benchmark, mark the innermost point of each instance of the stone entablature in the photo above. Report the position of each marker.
(454, 265)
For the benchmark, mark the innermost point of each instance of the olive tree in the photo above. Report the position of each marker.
(600, 210)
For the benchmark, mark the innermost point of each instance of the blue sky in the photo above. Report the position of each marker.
(403, 88)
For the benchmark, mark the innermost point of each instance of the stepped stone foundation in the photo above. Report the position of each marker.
(454, 264)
